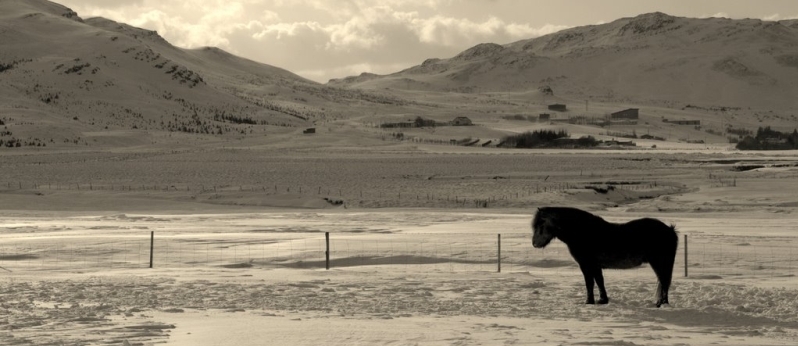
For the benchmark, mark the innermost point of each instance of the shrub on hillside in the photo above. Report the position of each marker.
(647, 136)
(534, 139)
(587, 141)
(769, 139)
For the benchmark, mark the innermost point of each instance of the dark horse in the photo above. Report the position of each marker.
(596, 244)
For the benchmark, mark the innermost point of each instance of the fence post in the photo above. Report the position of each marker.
(685, 255)
(327, 252)
(500, 253)
(152, 245)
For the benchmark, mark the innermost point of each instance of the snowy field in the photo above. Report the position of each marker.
(399, 277)
(239, 249)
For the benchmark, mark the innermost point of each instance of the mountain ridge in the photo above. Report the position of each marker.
(632, 59)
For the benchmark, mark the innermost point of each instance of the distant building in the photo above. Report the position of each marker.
(461, 121)
(626, 114)
(544, 117)
(309, 130)
(557, 107)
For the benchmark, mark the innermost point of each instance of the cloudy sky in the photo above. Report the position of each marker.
(323, 39)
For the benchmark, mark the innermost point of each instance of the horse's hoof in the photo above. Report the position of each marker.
(604, 300)
(591, 302)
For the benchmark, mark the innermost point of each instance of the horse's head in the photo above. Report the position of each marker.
(544, 228)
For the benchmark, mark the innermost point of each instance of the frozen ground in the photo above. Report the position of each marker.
(239, 249)
(399, 277)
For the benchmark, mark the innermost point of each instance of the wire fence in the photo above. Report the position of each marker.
(445, 252)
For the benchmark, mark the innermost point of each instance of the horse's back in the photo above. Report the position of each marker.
(637, 242)
(653, 236)
(649, 229)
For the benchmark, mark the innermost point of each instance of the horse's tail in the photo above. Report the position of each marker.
(675, 238)
(664, 267)
(664, 258)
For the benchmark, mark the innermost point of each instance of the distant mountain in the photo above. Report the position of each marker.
(649, 58)
(63, 79)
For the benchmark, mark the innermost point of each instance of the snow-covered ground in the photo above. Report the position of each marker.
(397, 277)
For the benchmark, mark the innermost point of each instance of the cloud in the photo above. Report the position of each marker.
(456, 31)
(776, 17)
(374, 26)
(182, 23)
(771, 17)
(270, 16)
(104, 3)
(310, 37)
(716, 15)
(284, 31)
(351, 70)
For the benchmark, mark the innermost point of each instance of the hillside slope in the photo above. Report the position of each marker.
(66, 81)
(651, 58)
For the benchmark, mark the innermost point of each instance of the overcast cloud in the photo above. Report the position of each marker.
(323, 39)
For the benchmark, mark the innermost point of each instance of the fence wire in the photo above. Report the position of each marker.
(445, 252)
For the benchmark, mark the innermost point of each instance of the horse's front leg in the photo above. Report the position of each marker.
(587, 272)
(599, 276)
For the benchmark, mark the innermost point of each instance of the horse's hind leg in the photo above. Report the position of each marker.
(664, 271)
(665, 281)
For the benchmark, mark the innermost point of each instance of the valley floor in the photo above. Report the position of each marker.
(235, 264)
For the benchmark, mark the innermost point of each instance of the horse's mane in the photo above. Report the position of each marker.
(568, 215)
